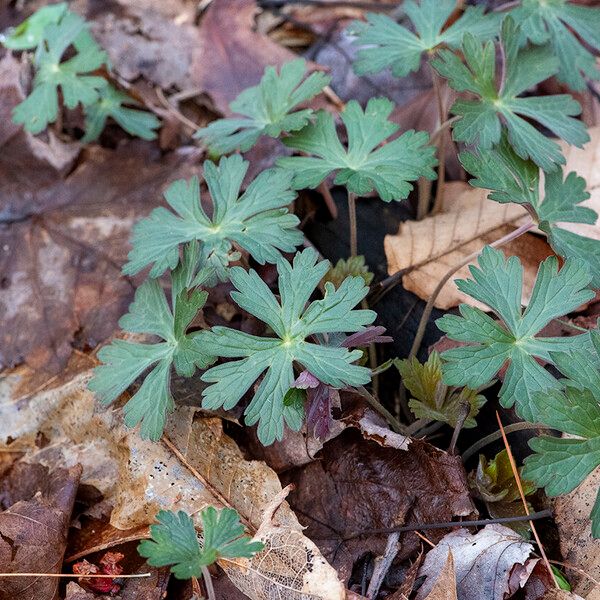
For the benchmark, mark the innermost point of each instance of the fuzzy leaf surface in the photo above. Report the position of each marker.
(71, 76)
(266, 109)
(513, 179)
(561, 464)
(258, 221)
(124, 361)
(174, 541)
(365, 165)
(481, 120)
(559, 23)
(292, 322)
(498, 283)
(390, 45)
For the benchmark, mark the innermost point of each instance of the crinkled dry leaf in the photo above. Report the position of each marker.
(572, 516)
(201, 466)
(493, 563)
(362, 485)
(33, 530)
(467, 222)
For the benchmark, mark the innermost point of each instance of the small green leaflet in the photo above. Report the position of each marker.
(41, 106)
(494, 483)
(392, 45)
(125, 361)
(292, 323)
(498, 283)
(481, 121)
(266, 109)
(258, 221)
(364, 166)
(554, 21)
(351, 267)
(174, 541)
(110, 103)
(30, 33)
(431, 398)
(513, 179)
(561, 464)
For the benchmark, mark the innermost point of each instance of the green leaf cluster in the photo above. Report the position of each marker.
(257, 221)
(294, 324)
(513, 179)
(267, 109)
(431, 398)
(53, 31)
(351, 267)
(386, 44)
(365, 165)
(561, 464)
(489, 344)
(150, 314)
(499, 106)
(174, 541)
(559, 23)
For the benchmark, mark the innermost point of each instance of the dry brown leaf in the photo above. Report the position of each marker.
(467, 222)
(444, 587)
(201, 466)
(586, 163)
(578, 548)
(494, 563)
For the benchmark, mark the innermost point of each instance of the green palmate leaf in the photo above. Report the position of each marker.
(257, 221)
(30, 33)
(110, 103)
(495, 484)
(561, 464)
(498, 282)
(431, 398)
(352, 267)
(293, 324)
(482, 119)
(513, 179)
(124, 361)
(267, 109)
(556, 22)
(174, 541)
(365, 165)
(392, 45)
(71, 76)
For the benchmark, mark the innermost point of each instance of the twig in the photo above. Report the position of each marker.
(352, 221)
(383, 564)
(436, 292)
(465, 409)
(492, 437)
(328, 198)
(542, 514)
(513, 466)
(210, 590)
(382, 410)
(75, 575)
(441, 146)
(577, 570)
(174, 111)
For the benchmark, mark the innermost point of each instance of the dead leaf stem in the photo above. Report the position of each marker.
(352, 221)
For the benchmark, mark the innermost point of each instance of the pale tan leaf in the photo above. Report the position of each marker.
(444, 587)
(494, 563)
(468, 221)
(578, 548)
(196, 466)
(586, 163)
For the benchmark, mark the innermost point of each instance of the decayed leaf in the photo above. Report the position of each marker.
(33, 529)
(201, 467)
(494, 563)
(231, 56)
(467, 222)
(572, 516)
(444, 587)
(61, 265)
(362, 485)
